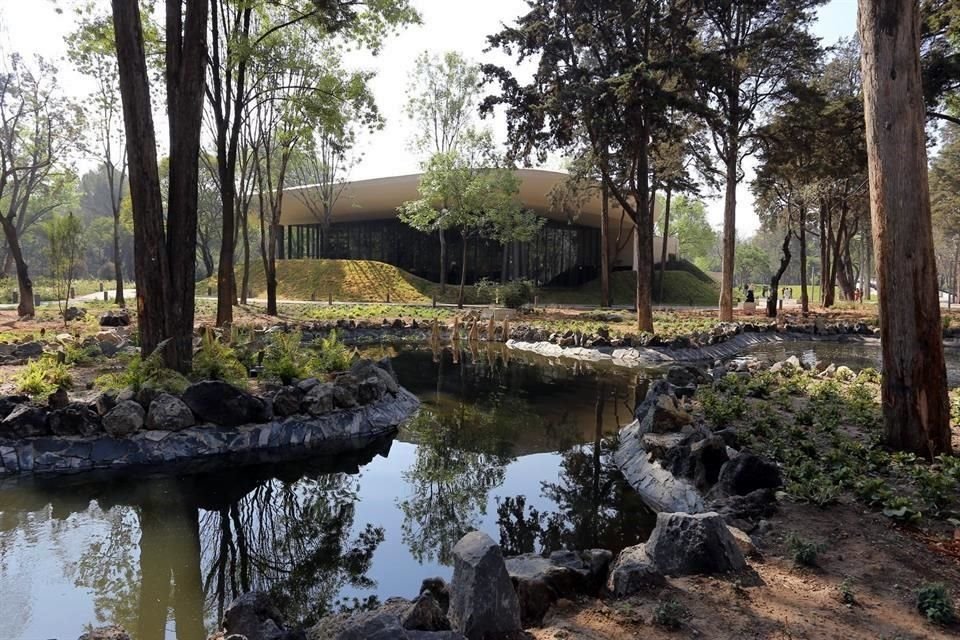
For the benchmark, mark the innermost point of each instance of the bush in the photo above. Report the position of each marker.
(43, 376)
(217, 361)
(517, 293)
(804, 552)
(332, 355)
(670, 614)
(140, 373)
(284, 359)
(934, 602)
(108, 271)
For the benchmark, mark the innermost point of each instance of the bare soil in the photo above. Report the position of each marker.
(774, 599)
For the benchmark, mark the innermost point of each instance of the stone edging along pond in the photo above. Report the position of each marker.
(319, 422)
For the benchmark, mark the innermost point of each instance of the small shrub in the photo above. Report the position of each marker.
(332, 355)
(218, 361)
(670, 614)
(845, 589)
(804, 552)
(934, 602)
(43, 376)
(79, 355)
(901, 508)
(144, 372)
(722, 409)
(284, 359)
(517, 294)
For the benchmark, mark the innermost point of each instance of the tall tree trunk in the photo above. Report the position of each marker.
(663, 245)
(643, 241)
(804, 298)
(914, 389)
(245, 284)
(443, 261)
(117, 267)
(463, 271)
(25, 308)
(775, 280)
(868, 293)
(730, 215)
(605, 247)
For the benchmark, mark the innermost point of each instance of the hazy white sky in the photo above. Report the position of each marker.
(33, 26)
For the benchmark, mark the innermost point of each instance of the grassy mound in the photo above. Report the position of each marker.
(679, 287)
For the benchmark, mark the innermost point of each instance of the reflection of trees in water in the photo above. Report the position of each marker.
(295, 541)
(596, 508)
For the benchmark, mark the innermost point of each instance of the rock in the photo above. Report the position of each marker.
(9, 403)
(844, 374)
(75, 419)
(633, 571)
(223, 404)
(58, 399)
(145, 395)
(751, 507)
(319, 400)
(124, 419)
(286, 401)
(539, 581)
(657, 388)
(119, 318)
(684, 543)
(253, 616)
(483, 602)
(169, 413)
(24, 421)
(106, 401)
(437, 587)
(746, 473)
(686, 375)
(307, 384)
(700, 462)
(425, 614)
(30, 349)
(664, 416)
(74, 313)
(345, 392)
(371, 389)
(112, 632)
(743, 541)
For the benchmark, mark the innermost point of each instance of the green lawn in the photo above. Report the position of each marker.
(680, 288)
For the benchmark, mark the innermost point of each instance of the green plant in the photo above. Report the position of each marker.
(43, 376)
(901, 508)
(332, 355)
(76, 354)
(846, 592)
(517, 293)
(721, 409)
(804, 552)
(670, 614)
(138, 373)
(284, 359)
(934, 602)
(218, 361)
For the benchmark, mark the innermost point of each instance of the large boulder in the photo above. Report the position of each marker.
(254, 616)
(31, 349)
(684, 375)
(425, 614)
(318, 400)
(746, 473)
(124, 419)
(684, 543)
(701, 462)
(483, 602)
(24, 421)
(119, 318)
(633, 571)
(286, 401)
(742, 511)
(664, 416)
(75, 419)
(223, 404)
(9, 403)
(539, 581)
(169, 413)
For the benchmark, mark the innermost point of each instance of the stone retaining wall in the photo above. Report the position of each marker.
(334, 432)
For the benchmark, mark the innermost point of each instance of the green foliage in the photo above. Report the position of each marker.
(284, 359)
(139, 373)
(804, 552)
(934, 602)
(76, 354)
(845, 590)
(517, 293)
(218, 361)
(721, 409)
(901, 508)
(43, 376)
(65, 235)
(670, 614)
(331, 354)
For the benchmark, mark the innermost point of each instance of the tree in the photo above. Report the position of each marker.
(617, 74)
(469, 189)
(914, 389)
(65, 235)
(689, 225)
(756, 46)
(753, 264)
(91, 48)
(165, 247)
(442, 96)
(945, 208)
(36, 126)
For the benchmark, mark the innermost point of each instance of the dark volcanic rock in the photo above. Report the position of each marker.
(483, 602)
(25, 421)
(684, 543)
(119, 318)
(124, 419)
(169, 413)
(254, 616)
(539, 581)
(75, 419)
(223, 404)
(286, 401)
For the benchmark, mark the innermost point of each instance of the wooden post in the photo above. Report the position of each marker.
(506, 329)
(491, 329)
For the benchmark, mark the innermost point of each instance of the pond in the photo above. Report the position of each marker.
(513, 445)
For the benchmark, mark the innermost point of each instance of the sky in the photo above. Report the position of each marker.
(34, 27)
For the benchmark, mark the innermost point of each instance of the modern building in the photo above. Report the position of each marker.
(364, 224)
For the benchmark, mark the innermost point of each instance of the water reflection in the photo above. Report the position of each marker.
(164, 555)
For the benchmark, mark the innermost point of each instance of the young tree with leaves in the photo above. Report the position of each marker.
(916, 409)
(65, 238)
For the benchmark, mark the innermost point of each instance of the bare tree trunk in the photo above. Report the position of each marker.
(775, 280)
(443, 261)
(643, 242)
(25, 308)
(245, 229)
(663, 245)
(117, 267)
(804, 298)
(914, 389)
(868, 294)
(605, 247)
(463, 272)
(729, 225)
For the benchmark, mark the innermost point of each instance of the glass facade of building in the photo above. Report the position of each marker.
(560, 254)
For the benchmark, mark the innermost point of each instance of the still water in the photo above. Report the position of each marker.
(514, 446)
